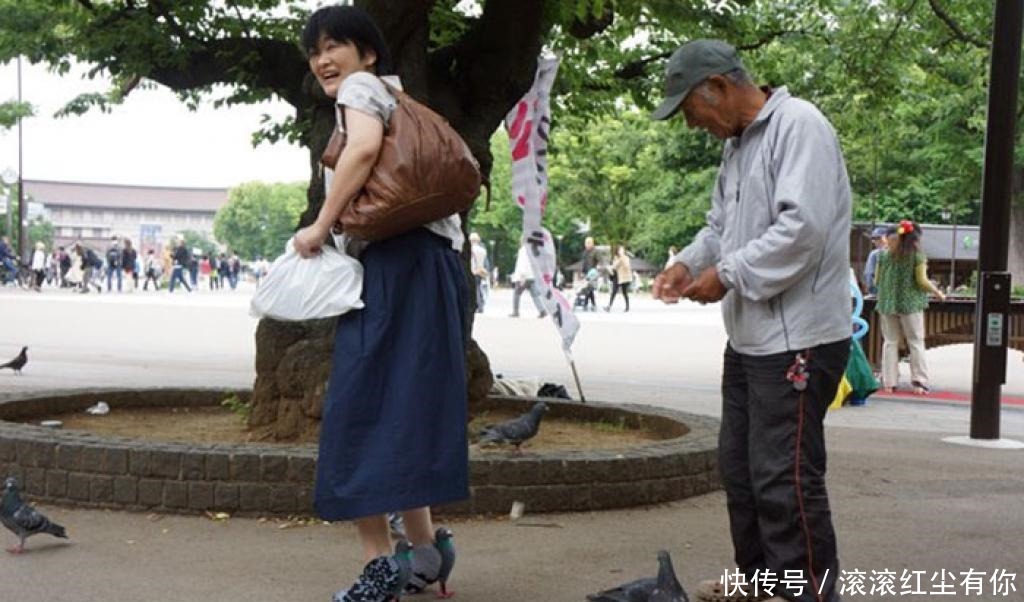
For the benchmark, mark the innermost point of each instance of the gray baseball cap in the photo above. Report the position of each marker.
(693, 63)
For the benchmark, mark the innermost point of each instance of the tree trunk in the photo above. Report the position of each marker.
(473, 84)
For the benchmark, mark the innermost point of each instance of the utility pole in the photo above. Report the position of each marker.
(993, 305)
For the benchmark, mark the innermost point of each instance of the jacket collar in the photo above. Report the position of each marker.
(776, 97)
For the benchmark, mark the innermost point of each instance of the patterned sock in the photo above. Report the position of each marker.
(426, 564)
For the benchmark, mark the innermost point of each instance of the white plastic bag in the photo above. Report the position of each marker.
(323, 286)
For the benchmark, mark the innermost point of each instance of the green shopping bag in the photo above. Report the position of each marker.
(858, 372)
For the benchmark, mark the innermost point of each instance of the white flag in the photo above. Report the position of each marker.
(528, 124)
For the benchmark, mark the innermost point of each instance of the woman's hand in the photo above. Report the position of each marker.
(310, 239)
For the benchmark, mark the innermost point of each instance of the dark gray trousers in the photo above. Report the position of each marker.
(771, 449)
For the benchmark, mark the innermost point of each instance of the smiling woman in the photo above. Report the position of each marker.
(393, 430)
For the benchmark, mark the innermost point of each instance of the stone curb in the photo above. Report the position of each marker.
(82, 469)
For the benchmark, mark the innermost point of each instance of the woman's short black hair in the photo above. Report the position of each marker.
(348, 24)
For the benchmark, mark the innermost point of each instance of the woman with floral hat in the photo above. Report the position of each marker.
(903, 287)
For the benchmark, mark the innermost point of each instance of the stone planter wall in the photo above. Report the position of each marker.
(82, 469)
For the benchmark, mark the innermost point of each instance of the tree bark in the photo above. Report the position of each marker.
(473, 83)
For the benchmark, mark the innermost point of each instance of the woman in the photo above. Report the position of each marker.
(205, 270)
(38, 266)
(622, 269)
(903, 286)
(73, 277)
(153, 269)
(393, 432)
(128, 263)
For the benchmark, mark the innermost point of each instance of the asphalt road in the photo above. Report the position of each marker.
(902, 499)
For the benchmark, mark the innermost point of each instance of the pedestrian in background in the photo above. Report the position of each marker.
(114, 264)
(38, 266)
(522, 278)
(129, 259)
(879, 239)
(235, 271)
(65, 264)
(478, 267)
(193, 267)
(153, 269)
(182, 260)
(622, 267)
(76, 259)
(589, 269)
(903, 287)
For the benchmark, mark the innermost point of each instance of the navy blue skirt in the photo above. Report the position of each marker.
(393, 432)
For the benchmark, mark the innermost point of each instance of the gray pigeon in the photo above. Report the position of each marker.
(444, 544)
(17, 363)
(663, 588)
(403, 558)
(669, 589)
(515, 431)
(23, 520)
(634, 591)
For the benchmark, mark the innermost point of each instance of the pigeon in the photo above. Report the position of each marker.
(444, 544)
(634, 591)
(515, 431)
(23, 520)
(17, 363)
(403, 558)
(663, 588)
(669, 589)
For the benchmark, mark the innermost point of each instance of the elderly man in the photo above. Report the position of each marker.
(775, 251)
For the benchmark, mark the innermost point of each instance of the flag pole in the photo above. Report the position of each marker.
(575, 375)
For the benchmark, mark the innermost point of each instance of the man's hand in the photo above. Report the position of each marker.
(309, 240)
(669, 285)
(708, 287)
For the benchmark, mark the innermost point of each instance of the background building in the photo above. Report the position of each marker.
(147, 215)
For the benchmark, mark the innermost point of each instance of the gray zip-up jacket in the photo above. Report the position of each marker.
(778, 232)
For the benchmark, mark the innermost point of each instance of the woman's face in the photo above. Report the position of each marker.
(332, 61)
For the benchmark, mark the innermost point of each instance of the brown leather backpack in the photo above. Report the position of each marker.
(424, 173)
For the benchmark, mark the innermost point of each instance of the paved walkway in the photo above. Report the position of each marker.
(902, 499)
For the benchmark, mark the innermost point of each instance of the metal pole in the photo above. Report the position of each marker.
(952, 261)
(994, 281)
(22, 242)
(576, 377)
(7, 198)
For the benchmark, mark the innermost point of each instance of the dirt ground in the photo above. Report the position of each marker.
(221, 425)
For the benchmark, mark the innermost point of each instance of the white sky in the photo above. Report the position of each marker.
(151, 139)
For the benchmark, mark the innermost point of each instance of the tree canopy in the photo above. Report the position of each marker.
(258, 218)
(903, 81)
